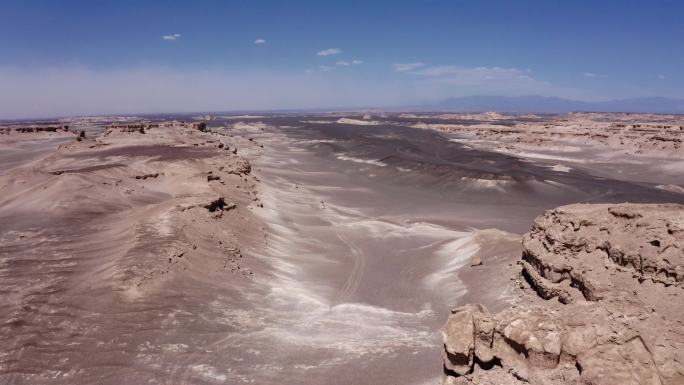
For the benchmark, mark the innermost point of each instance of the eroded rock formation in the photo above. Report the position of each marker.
(610, 277)
(24, 129)
(653, 134)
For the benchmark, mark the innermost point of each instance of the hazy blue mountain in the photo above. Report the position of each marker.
(536, 103)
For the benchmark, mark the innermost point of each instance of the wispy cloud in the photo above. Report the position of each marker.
(406, 67)
(325, 68)
(174, 36)
(589, 75)
(458, 72)
(479, 80)
(439, 70)
(357, 62)
(661, 76)
(343, 63)
(329, 51)
(259, 41)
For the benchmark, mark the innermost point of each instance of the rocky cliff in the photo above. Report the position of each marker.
(603, 304)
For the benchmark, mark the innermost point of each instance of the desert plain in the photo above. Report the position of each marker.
(343, 248)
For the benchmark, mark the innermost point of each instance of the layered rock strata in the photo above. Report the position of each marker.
(610, 282)
(649, 134)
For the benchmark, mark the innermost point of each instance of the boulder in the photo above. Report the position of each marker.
(458, 336)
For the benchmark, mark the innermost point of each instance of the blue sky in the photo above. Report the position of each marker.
(66, 57)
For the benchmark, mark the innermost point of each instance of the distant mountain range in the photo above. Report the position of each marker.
(547, 104)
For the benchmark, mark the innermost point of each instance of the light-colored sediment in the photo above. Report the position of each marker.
(611, 281)
(278, 249)
(106, 238)
(647, 134)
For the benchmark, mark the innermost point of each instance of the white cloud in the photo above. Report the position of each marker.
(589, 75)
(405, 67)
(459, 81)
(329, 51)
(174, 36)
(357, 62)
(326, 68)
(439, 70)
(259, 41)
(342, 63)
(662, 76)
(468, 74)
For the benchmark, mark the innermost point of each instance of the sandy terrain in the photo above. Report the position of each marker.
(375, 228)
(339, 247)
(109, 248)
(599, 143)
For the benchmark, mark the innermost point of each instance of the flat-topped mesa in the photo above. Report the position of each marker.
(141, 127)
(200, 126)
(33, 129)
(612, 278)
(131, 127)
(649, 134)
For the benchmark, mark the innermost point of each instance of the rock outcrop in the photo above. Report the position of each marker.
(242, 167)
(106, 241)
(611, 307)
(24, 129)
(653, 134)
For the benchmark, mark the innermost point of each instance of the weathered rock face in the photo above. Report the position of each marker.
(33, 129)
(653, 134)
(242, 167)
(600, 249)
(612, 278)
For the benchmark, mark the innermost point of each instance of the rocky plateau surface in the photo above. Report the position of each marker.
(106, 239)
(631, 133)
(601, 303)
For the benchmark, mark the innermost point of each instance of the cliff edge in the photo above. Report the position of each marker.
(603, 304)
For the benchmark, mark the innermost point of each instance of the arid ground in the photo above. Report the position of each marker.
(287, 249)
